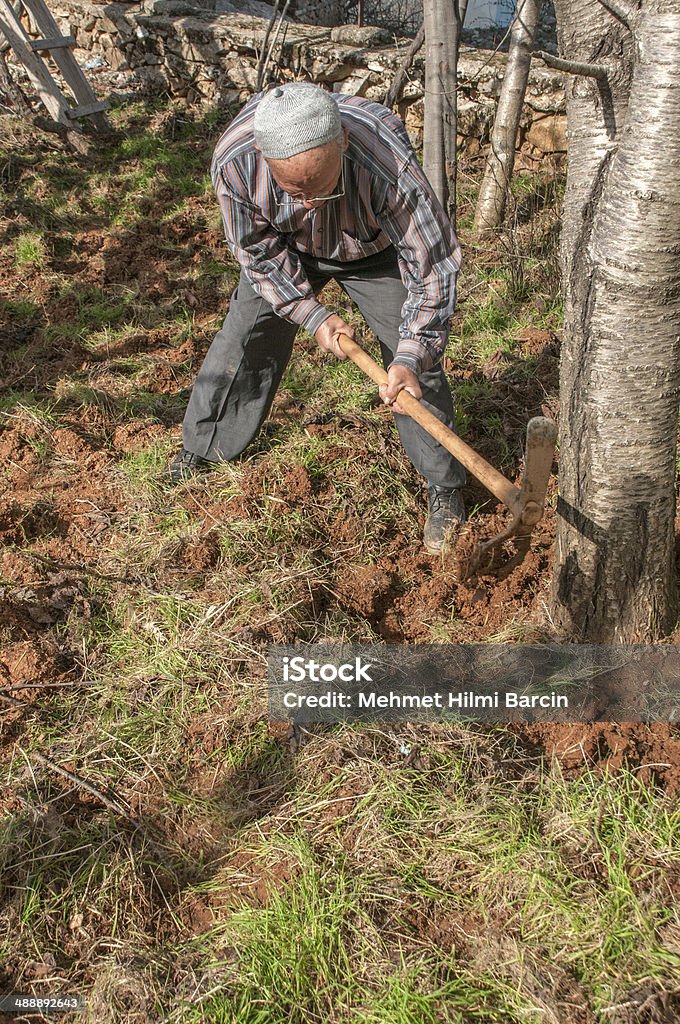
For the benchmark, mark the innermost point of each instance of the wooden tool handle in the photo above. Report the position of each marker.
(479, 467)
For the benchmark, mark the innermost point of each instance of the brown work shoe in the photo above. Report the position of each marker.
(446, 516)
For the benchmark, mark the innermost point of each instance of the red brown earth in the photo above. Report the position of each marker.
(63, 518)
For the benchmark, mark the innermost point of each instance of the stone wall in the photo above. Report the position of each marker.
(317, 12)
(208, 56)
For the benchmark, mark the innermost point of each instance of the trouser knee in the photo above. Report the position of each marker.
(238, 379)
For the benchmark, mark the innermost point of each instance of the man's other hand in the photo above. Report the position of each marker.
(327, 335)
(399, 378)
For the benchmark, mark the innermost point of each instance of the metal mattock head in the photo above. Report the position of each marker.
(538, 459)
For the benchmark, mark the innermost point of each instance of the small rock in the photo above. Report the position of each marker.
(354, 35)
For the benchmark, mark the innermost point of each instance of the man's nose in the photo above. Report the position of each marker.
(310, 204)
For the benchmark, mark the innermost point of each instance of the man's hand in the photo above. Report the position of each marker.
(327, 335)
(399, 378)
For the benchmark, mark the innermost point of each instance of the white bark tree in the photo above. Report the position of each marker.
(443, 20)
(501, 159)
(615, 575)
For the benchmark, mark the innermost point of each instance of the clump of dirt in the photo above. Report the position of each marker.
(31, 653)
(486, 600)
(65, 441)
(412, 614)
(136, 436)
(204, 735)
(31, 661)
(17, 624)
(243, 879)
(254, 881)
(652, 750)
(295, 487)
(292, 487)
(199, 553)
(365, 589)
(22, 523)
(195, 914)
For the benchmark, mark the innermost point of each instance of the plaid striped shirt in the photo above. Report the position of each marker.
(388, 201)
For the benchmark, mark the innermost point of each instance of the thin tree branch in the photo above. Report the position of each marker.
(13, 701)
(263, 51)
(85, 570)
(273, 42)
(46, 686)
(116, 805)
(625, 12)
(572, 67)
(395, 88)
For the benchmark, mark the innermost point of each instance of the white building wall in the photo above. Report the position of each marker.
(489, 13)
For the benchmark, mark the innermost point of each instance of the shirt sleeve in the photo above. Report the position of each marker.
(429, 258)
(274, 270)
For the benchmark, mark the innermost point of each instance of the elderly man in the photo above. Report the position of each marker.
(314, 186)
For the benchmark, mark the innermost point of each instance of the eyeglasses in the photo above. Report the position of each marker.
(319, 199)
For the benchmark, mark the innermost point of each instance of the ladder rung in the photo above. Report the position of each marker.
(88, 108)
(55, 43)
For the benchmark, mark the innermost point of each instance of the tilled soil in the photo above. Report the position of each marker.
(58, 520)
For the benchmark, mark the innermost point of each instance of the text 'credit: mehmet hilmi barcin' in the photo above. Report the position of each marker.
(298, 670)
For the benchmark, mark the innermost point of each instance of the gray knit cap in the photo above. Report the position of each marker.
(293, 118)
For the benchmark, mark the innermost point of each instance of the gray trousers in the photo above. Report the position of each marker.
(236, 384)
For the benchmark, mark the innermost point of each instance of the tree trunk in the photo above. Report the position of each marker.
(620, 376)
(11, 90)
(443, 20)
(501, 159)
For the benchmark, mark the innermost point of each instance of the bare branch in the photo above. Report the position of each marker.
(395, 88)
(622, 10)
(274, 40)
(45, 686)
(12, 700)
(572, 67)
(116, 805)
(263, 52)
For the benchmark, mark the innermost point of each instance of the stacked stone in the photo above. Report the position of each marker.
(196, 52)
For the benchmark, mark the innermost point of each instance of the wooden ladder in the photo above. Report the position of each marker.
(29, 51)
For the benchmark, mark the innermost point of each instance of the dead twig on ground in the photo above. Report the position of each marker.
(13, 701)
(86, 570)
(113, 803)
(45, 686)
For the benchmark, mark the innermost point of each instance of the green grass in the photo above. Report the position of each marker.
(30, 250)
(372, 877)
(18, 309)
(316, 952)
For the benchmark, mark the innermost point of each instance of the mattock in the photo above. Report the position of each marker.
(526, 503)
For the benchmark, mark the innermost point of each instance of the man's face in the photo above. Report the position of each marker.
(313, 173)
